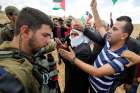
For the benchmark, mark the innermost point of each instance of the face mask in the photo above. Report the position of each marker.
(86, 40)
(76, 41)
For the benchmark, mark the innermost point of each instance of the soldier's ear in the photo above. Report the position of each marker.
(24, 29)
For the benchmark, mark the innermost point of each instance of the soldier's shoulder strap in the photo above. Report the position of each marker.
(15, 54)
(8, 54)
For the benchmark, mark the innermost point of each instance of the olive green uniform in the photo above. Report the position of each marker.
(6, 32)
(20, 69)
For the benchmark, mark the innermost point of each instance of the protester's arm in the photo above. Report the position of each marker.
(131, 56)
(99, 72)
(94, 36)
(97, 19)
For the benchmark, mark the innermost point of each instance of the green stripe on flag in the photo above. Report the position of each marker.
(57, 0)
(118, 1)
(56, 8)
(83, 20)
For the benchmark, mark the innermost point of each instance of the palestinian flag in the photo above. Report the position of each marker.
(59, 4)
(115, 1)
(88, 16)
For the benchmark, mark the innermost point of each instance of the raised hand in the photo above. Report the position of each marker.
(93, 4)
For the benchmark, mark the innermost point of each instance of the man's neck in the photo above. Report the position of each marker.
(117, 46)
(15, 43)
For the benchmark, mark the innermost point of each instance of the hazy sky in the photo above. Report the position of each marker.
(77, 8)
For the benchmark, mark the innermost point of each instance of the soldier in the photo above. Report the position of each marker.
(33, 31)
(7, 31)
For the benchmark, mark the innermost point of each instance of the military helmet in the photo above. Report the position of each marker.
(11, 10)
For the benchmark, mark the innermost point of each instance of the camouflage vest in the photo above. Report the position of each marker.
(6, 32)
(30, 75)
(19, 67)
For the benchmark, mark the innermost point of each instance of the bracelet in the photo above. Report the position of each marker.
(73, 60)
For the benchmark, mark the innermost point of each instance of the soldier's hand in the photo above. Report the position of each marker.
(131, 56)
(127, 54)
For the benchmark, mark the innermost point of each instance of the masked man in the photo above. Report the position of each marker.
(76, 81)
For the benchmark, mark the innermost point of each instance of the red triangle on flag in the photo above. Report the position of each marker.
(62, 4)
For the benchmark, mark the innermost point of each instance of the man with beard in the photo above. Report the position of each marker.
(33, 31)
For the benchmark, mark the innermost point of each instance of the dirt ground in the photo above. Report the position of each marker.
(136, 30)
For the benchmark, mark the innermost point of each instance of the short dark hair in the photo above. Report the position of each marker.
(33, 18)
(128, 28)
(55, 19)
(60, 19)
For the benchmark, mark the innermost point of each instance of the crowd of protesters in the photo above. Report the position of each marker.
(99, 57)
